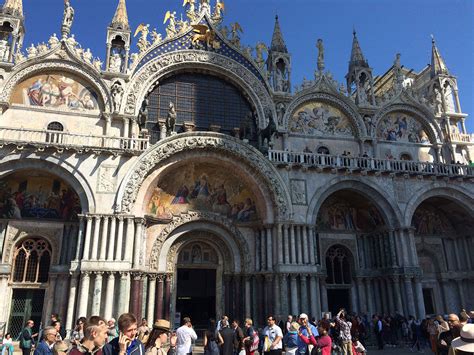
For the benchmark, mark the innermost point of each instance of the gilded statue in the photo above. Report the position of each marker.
(191, 9)
(236, 29)
(143, 30)
(217, 16)
(171, 30)
(68, 18)
(261, 47)
(206, 35)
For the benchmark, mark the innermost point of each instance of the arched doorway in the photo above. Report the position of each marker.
(339, 266)
(29, 278)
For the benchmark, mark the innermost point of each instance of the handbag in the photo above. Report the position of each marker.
(256, 341)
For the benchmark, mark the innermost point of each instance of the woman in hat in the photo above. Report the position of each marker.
(157, 343)
(465, 343)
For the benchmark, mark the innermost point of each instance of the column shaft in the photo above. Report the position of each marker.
(299, 244)
(410, 298)
(294, 295)
(137, 244)
(315, 297)
(420, 302)
(109, 295)
(159, 298)
(80, 239)
(84, 295)
(305, 245)
(324, 296)
(123, 304)
(111, 247)
(293, 244)
(286, 244)
(269, 249)
(247, 297)
(168, 296)
(304, 294)
(97, 294)
(103, 239)
(151, 298)
(95, 238)
(284, 294)
(71, 302)
(312, 258)
(119, 246)
(87, 241)
(129, 238)
(279, 239)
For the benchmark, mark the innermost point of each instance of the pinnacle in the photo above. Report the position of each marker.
(357, 57)
(278, 43)
(120, 19)
(438, 66)
(14, 7)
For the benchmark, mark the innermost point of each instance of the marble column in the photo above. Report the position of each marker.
(109, 295)
(409, 296)
(420, 302)
(370, 297)
(284, 294)
(104, 238)
(304, 294)
(294, 294)
(361, 295)
(268, 291)
(151, 298)
(397, 294)
(277, 300)
(445, 287)
(87, 241)
(50, 299)
(169, 279)
(286, 244)
(97, 293)
(123, 304)
(299, 244)
(269, 249)
(136, 295)
(84, 294)
(315, 296)
(248, 300)
(70, 319)
(467, 253)
(293, 244)
(305, 245)
(263, 250)
(257, 241)
(159, 297)
(312, 249)
(119, 245)
(80, 238)
(126, 129)
(139, 222)
(354, 305)
(111, 246)
(324, 296)
(95, 238)
(462, 298)
(129, 239)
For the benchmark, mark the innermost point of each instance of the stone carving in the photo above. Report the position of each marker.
(298, 192)
(106, 182)
(170, 120)
(280, 108)
(53, 40)
(320, 47)
(206, 141)
(68, 18)
(261, 47)
(153, 70)
(4, 50)
(115, 65)
(117, 95)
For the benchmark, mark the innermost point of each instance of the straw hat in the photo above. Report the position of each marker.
(162, 324)
(466, 341)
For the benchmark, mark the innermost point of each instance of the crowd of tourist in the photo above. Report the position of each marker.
(344, 334)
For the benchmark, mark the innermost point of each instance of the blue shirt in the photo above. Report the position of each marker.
(302, 347)
(43, 349)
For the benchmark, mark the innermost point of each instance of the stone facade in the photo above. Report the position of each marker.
(339, 197)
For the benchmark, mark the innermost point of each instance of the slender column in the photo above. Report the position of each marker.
(393, 254)
(391, 302)
(123, 304)
(263, 250)
(151, 298)
(420, 302)
(462, 299)
(361, 294)
(258, 265)
(248, 300)
(95, 238)
(299, 244)
(126, 129)
(324, 296)
(284, 294)
(457, 257)
(109, 295)
(467, 253)
(445, 288)
(50, 295)
(97, 294)
(87, 242)
(80, 238)
(71, 302)
(129, 237)
(397, 294)
(305, 245)
(269, 249)
(404, 247)
(138, 242)
(377, 295)
(314, 294)
(286, 244)
(84, 294)
(71, 252)
(276, 293)
(354, 305)
(370, 297)
(312, 251)
(111, 247)
(279, 239)
(119, 246)
(159, 297)
(104, 239)
(304, 294)
(409, 294)
(136, 295)
(294, 294)
(293, 244)
(412, 244)
(168, 296)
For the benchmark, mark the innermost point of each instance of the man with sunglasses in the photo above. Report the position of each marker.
(445, 338)
(273, 338)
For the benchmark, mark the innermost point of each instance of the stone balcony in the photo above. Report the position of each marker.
(23, 137)
(361, 164)
(461, 138)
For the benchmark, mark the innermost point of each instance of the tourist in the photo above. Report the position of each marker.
(49, 338)
(289, 320)
(143, 331)
(7, 345)
(445, 338)
(464, 344)
(378, 329)
(78, 332)
(219, 323)
(26, 337)
(95, 337)
(345, 332)
(251, 340)
(239, 348)
(186, 335)
(61, 348)
(211, 339)
(306, 332)
(324, 342)
(290, 340)
(227, 336)
(157, 343)
(57, 325)
(273, 336)
(357, 347)
(126, 342)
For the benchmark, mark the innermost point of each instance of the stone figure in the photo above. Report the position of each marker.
(143, 114)
(363, 100)
(68, 18)
(191, 9)
(171, 30)
(71, 41)
(53, 40)
(217, 15)
(87, 56)
(155, 36)
(4, 50)
(117, 94)
(320, 47)
(224, 31)
(32, 52)
(261, 47)
(143, 43)
(279, 80)
(97, 64)
(171, 120)
(235, 36)
(115, 65)
(280, 108)
(265, 135)
(397, 74)
(369, 124)
(438, 101)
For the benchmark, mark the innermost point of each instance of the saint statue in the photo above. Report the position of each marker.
(115, 65)
(320, 47)
(68, 18)
(171, 120)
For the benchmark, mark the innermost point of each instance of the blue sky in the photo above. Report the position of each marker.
(384, 28)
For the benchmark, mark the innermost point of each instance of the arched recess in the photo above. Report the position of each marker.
(340, 102)
(27, 70)
(199, 61)
(57, 167)
(206, 144)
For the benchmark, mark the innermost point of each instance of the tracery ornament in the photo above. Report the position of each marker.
(148, 75)
(195, 216)
(32, 261)
(58, 66)
(204, 141)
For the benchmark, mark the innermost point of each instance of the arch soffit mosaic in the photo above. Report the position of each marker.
(454, 194)
(56, 167)
(147, 77)
(210, 141)
(218, 226)
(332, 99)
(27, 70)
(384, 203)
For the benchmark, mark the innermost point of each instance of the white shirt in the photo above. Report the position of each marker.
(272, 333)
(185, 335)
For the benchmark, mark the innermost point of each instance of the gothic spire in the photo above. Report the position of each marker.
(357, 57)
(14, 7)
(120, 20)
(278, 43)
(438, 66)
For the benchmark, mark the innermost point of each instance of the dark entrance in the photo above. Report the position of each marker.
(337, 299)
(196, 295)
(26, 304)
(428, 299)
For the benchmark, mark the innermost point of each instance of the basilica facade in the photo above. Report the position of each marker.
(193, 177)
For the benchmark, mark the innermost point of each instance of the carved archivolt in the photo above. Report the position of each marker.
(151, 72)
(195, 216)
(56, 65)
(331, 99)
(204, 141)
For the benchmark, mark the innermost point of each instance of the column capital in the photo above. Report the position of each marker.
(120, 218)
(140, 220)
(123, 275)
(110, 274)
(268, 277)
(98, 273)
(153, 277)
(161, 277)
(169, 277)
(395, 279)
(137, 276)
(407, 278)
(86, 274)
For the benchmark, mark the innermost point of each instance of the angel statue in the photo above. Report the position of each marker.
(155, 36)
(218, 12)
(235, 37)
(171, 30)
(205, 6)
(68, 18)
(261, 47)
(191, 10)
(143, 43)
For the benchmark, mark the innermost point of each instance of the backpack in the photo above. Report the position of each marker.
(256, 341)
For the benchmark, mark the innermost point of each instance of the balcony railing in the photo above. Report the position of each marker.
(370, 164)
(67, 140)
(460, 137)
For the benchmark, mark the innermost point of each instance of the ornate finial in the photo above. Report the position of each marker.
(14, 7)
(120, 20)
(68, 19)
(354, 31)
(357, 57)
(320, 47)
(438, 66)
(433, 39)
(278, 43)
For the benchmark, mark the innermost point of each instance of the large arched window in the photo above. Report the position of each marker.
(203, 101)
(338, 265)
(32, 260)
